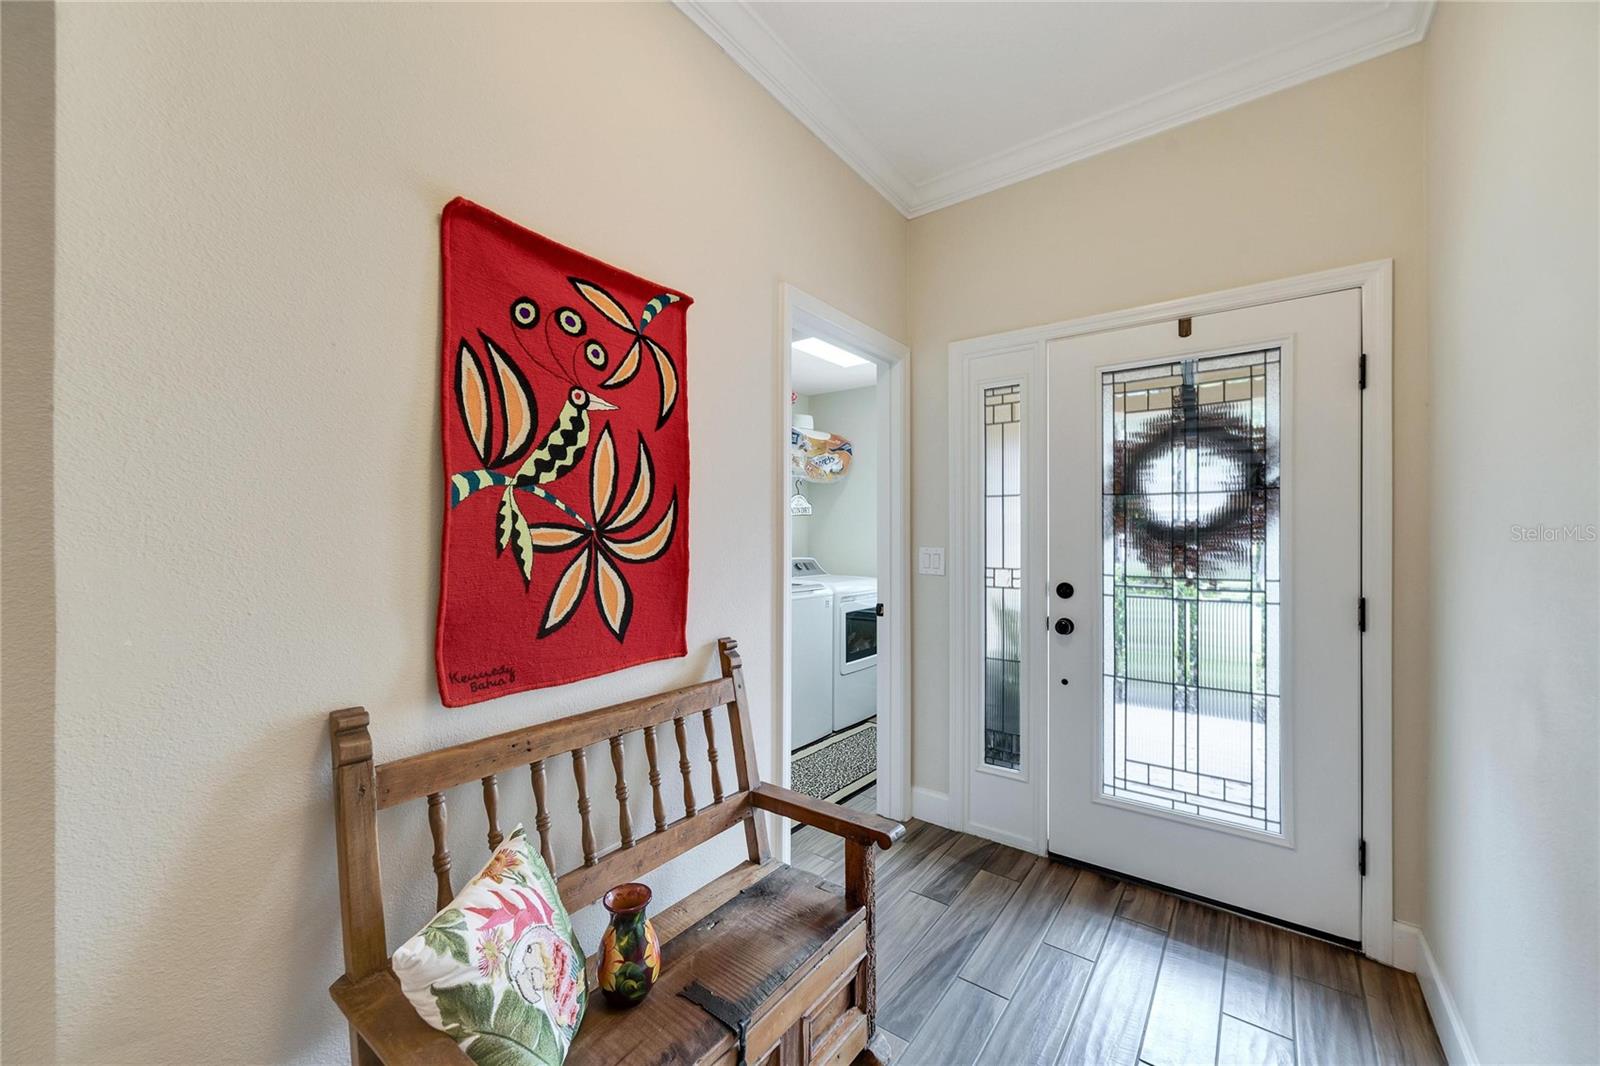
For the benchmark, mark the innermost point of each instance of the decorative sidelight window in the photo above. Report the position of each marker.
(1191, 591)
(1002, 576)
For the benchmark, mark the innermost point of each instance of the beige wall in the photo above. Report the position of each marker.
(27, 531)
(1326, 174)
(247, 456)
(1513, 829)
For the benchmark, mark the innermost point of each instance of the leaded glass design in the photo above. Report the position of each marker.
(1002, 576)
(1190, 515)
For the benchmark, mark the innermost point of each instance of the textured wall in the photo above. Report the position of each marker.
(1514, 816)
(27, 530)
(1322, 175)
(247, 459)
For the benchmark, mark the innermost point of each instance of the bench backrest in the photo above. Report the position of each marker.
(362, 788)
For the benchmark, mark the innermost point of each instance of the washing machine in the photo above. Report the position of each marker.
(811, 617)
(854, 658)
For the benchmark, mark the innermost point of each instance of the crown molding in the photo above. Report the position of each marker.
(747, 39)
(749, 42)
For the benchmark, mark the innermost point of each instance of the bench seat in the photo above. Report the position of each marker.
(756, 938)
(752, 953)
(386, 1022)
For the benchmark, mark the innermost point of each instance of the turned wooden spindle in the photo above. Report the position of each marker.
(624, 820)
(541, 816)
(437, 821)
(683, 767)
(657, 808)
(491, 807)
(580, 773)
(711, 752)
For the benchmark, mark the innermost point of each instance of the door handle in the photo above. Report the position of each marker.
(1064, 626)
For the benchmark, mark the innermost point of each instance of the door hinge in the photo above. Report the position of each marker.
(1363, 372)
(1361, 858)
(1361, 614)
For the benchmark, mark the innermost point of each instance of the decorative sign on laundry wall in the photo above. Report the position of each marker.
(566, 455)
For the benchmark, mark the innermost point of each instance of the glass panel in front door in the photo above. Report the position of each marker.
(1190, 514)
(1002, 576)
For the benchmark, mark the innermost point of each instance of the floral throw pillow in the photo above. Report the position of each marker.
(499, 969)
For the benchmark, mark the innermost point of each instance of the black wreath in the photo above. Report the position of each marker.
(1160, 541)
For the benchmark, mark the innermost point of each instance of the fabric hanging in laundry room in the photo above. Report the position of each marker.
(818, 457)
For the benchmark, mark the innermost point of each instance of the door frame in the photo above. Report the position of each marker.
(798, 309)
(1375, 280)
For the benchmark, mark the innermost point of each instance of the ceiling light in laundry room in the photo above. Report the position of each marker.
(831, 352)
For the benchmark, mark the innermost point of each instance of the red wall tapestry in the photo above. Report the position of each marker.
(566, 462)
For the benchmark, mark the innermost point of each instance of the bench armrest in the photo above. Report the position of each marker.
(390, 1026)
(830, 817)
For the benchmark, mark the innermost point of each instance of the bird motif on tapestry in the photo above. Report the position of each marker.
(503, 435)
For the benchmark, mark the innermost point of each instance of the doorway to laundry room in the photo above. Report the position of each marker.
(846, 727)
(834, 571)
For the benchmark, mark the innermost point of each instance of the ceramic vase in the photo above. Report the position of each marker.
(630, 954)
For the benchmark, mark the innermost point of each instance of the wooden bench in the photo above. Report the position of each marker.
(764, 941)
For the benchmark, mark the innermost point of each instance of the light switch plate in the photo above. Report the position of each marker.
(930, 561)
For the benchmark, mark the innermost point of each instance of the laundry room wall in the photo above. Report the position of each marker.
(843, 530)
(799, 525)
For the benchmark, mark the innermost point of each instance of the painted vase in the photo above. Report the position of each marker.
(630, 954)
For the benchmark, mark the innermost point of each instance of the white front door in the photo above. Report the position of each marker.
(1205, 510)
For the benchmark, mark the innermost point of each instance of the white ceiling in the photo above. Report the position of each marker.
(934, 103)
(810, 376)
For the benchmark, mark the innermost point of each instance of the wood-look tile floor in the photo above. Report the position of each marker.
(990, 955)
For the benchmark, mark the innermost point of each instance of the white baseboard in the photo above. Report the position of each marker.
(1411, 953)
(1002, 836)
(937, 807)
(930, 806)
